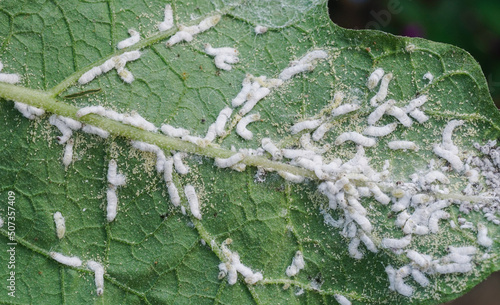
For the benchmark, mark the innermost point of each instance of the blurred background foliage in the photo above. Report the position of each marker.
(473, 25)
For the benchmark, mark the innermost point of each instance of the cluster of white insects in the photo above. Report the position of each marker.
(420, 204)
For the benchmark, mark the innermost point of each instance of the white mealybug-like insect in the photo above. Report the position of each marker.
(422, 260)
(449, 156)
(268, 146)
(361, 220)
(72, 124)
(168, 170)
(253, 98)
(133, 39)
(174, 132)
(447, 133)
(382, 91)
(192, 198)
(370, 245)
(419, 115)
(342, 299)
(399, 285)
(174, 194)
(436, 175)
(221, 121)
(379, 112)
(374, 78)
(220, 51)
(391, 274)
(467, 250)
(410, 47)
(297, 264)
(344, 109)
(415, 103)
(113, 177)
(60, 224)
(95, 130)
(295, 153)
(353, 249)
(179, 37)
(71, 261)
(400, 115)
(453, 268)
(482, 236)
(138, 121)
(223, 56)
(63, 128)
(91, 109)
(241, 128)
(112, 204)
(68, 153)
(210, 135)
(241, 97)
(1, 222)
(259, 29)
(98, 275)
(209, 22)
(179, 166)
(428, 76)
(168, 21)
(378, 194)
(313, 56)
(9, 78)
(27, 111)
(319, 133)
(289, 72)
(291, 177)
(434, 220)
(356, 138)
(394, 243)
(222, 271)
(404, 145)
(234, 159)
(380, 131)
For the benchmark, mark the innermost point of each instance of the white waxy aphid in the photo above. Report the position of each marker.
(410, 47)
(179, 37)
(211, 134)
(482, 236)
(168, 170)
(356, 138)
(192, 198)
(221, 121)
(60, 224)
(391, 274)
(89, 75)
(467, 250)
(168, 21)
(174, 132)
(174, 194)
(234, 159)
(254, 278)
(112, 204)
(400, 115)
(95, 130)
(419, 115)
(72, 124)
(449, 156)
(133, 39)
(353, 249)
(125, 75)
(320, 132)
(419, 277)
(382, 91)
(380, 131)
(68, 153)
(313, 56)
(404, 145)
(297, 264)
(447, 133)
(107, 65)
(353, 202)
(456, 258)
(91, 109)
(453, 268)
(63, 128)
(434, 220)
(361, 220)
(71, 261)
(253, 98)
(268, 146)
(291, 177)
(220, 51)
(232, 275)
(344, 109)
(436, 175)
(145, 146)
(113, 177)
(394, 243)
(377, 114)
(208, 22)
(241, 97)
(241, 128)
(415, 103)
(370, 245)
(9, 78)
(374, 78)
(222, 271)
(27, 111)
(424, 261)
(179, 165)
(223, 61)
(289, 72)
(130, 56)
(259, 29)
(428, 76)
(296, 153)
(98, 275)
(399, 285)
(342, 299)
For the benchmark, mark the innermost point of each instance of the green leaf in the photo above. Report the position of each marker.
(154, 254)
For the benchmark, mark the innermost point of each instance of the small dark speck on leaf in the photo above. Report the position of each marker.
(203, 121)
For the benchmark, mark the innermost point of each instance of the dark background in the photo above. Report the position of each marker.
(473, 25)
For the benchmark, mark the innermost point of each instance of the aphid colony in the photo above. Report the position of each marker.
(232, 266)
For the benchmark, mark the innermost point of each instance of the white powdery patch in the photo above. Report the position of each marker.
(117, 62)
(297, 264)
(429, 77)
(259, 29)
(186, 33)
(223, 57)
(71, 261)
(306, 63)
(232, 266)
(133, 39)
(28, 111)
(98, 270)
(60, 224)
